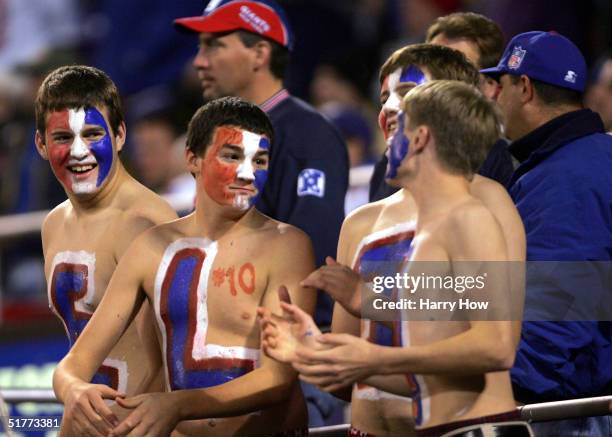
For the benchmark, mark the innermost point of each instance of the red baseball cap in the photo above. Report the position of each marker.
(262, 17)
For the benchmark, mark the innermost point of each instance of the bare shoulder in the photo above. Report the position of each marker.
(146, 204)
(154, 240)
(490, 192)
(472, 230)
(470, 215)
(283, 237)
(57, 215)
(359, 221)
(54, 219)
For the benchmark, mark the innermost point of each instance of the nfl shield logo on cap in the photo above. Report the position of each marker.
(516, 58)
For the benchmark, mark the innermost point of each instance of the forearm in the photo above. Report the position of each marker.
(396, 384)
(67, 375)
(474, 351)
(254, 391)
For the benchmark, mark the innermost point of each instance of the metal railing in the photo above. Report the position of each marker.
(570, 409)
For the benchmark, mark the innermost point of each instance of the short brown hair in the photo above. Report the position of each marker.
(484, 32)
(441, 62)
(463, 122)
(77, 86)
(225, 111)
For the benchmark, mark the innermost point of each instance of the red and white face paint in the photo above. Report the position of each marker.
(80, 149)
(235, 167)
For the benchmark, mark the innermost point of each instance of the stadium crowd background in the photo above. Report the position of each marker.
(340, 45)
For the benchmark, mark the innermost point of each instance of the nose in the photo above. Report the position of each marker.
(201, 60)
(245, 171)
(78, 149)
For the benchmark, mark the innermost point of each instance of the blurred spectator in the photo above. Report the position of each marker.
(599, 95)
(29, 28)
(357, 133)
(27, 183)
(355, 129)
(156, 56)
(330, 85)
(481, 41)
(153, 140)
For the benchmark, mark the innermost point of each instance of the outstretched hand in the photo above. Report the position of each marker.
(341, 282)
(282, 335)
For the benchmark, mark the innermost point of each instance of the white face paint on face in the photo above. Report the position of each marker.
(79, 151)
(394, 100)
(245, 170)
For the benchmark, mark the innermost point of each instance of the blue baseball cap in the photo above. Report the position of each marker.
(545, 56)
(262, 17)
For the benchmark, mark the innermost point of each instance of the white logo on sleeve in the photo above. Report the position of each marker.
(571, 76)
(311, 182)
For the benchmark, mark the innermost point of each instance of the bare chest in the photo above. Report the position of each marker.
(78, 267)
(205, 297)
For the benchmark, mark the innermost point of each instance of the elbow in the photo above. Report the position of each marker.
(501, 355)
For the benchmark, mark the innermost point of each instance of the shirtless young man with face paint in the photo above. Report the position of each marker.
(205, 275)
(80, 131)
(456, 372)
(384, 230)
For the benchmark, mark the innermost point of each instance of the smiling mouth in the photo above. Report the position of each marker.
(81, 169)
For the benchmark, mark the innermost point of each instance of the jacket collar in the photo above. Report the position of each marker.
(542, 142)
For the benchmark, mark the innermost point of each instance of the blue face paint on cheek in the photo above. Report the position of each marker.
(103, 148)
(398, 147)
(260, 175)
(413, 74)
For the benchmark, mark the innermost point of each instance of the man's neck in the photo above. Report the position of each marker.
(213, 220)
(266, 85)
(437, 191)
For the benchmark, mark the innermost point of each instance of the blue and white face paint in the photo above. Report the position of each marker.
(80, 156)
(397, 147)
(253, 144)
(398, 143)
(410, 74)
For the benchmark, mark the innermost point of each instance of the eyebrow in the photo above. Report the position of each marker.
(233, 147)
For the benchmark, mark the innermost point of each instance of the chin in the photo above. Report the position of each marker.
(394, 182)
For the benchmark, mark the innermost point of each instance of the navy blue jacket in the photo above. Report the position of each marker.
(497, 166)
(307, 180)
(563, 192)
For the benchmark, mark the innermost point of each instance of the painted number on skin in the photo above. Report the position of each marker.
(190, 361)
(245, 277)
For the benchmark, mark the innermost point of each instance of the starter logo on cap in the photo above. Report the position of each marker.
(570, 76)
(251, 18)
(311, 182)
(515, 60)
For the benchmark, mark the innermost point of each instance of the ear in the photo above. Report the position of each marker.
(41, 146)
(420, 139)
(489, 87)
(262, 54)
(193, 162)
(526, 89)
(120, 136)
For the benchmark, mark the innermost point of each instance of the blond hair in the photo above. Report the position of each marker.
(463, 122)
